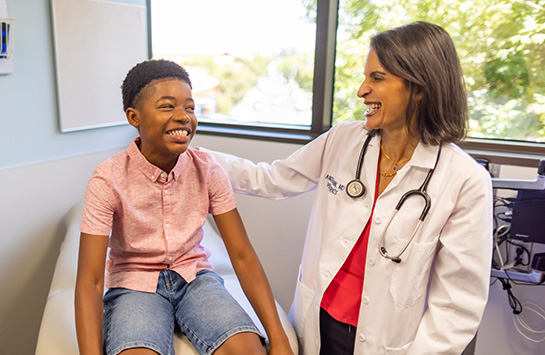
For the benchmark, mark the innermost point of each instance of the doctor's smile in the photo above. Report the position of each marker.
(371, 108)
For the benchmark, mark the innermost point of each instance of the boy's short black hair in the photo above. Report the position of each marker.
(144, 73)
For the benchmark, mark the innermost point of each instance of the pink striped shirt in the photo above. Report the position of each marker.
(154, 220)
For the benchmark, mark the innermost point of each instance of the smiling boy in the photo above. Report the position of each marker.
(148, 205)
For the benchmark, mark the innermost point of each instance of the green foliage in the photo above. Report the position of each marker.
(506, 75)
(501, 45)
(298, 67)
(234, 80)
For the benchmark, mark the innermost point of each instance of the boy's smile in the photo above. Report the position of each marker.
(180, 135)
(165, 120)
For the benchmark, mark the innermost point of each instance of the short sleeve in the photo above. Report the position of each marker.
(98, 206)
(220, 193)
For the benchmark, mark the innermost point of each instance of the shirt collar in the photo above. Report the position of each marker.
(148, 169)
(177, 170)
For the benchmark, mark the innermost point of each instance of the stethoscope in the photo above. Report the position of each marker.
(355, 189)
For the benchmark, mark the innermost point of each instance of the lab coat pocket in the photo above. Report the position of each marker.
(301, 305)
(411, 275)
(397, 351)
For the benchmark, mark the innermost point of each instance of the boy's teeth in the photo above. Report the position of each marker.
(179, 132)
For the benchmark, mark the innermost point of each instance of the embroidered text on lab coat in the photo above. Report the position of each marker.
(333, 186)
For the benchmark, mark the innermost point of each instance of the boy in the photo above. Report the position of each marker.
(154, 199)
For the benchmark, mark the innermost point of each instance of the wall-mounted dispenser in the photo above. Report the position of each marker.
(6, 39)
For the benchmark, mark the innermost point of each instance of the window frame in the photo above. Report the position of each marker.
(323, 81)
(503, 152)
(495, 151)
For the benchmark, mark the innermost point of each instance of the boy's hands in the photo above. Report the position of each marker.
(280, 349)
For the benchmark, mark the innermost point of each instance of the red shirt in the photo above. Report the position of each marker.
(154, 220)
(342, 297)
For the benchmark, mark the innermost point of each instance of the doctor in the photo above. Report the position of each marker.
(406, 268)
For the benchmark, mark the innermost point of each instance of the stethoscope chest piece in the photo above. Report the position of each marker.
(355, 188)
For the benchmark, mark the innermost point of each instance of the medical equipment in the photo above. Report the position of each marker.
(525, 224)
(524, 227)
(421, 191)
(355, 189)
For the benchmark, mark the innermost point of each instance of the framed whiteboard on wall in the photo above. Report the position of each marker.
(95, 44)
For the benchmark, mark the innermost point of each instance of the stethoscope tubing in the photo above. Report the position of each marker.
(362, 154)
(422, 192)
(355, 189)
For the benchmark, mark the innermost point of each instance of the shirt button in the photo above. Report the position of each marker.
(371, 261)
(163, 175)
(325, 275)
(365, 299)
(168, 225)
(170, 258)
(378, 220)
(361, 338)
(167, 192)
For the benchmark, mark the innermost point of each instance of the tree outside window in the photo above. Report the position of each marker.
(501, 44)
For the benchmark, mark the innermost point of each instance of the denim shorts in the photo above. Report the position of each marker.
(203, 310)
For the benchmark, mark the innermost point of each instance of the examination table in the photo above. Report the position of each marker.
(57, 335)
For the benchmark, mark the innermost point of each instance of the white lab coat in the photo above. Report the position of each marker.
(430, 303)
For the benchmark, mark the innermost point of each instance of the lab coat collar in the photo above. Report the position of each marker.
(423, 157)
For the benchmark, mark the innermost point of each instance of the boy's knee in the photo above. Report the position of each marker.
(242, 343)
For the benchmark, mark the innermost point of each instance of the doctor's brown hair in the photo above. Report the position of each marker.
(424, 55)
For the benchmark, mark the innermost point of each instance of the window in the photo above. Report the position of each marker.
(291, 68)
(501, 45)
(251, 62)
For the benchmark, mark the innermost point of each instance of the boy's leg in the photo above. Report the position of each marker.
(138, 351)
(241, 343)
(137, 320)
(213, 320)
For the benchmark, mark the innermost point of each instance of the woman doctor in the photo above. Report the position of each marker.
(413, 284)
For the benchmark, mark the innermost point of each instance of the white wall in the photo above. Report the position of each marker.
(28, 102)
(34, 199)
